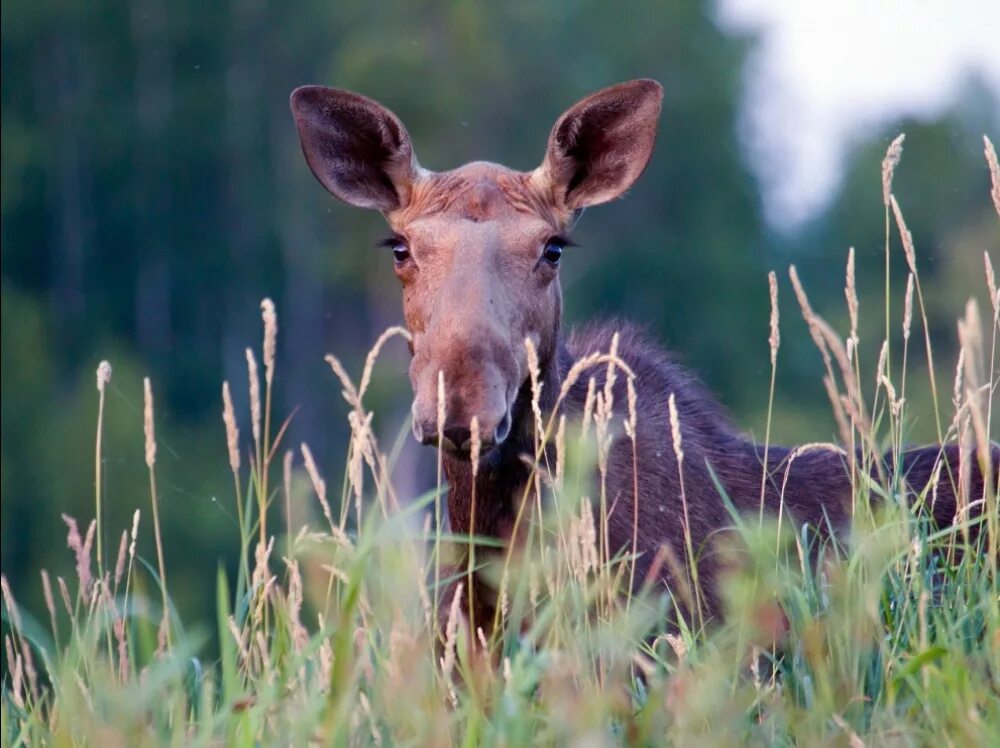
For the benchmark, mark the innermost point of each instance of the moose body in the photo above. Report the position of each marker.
(477, 251)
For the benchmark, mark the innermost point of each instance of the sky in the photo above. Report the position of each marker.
(828, 73)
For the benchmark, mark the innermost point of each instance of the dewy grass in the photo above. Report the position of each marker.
(349, 629)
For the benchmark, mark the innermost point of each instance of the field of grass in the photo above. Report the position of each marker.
(332, 634)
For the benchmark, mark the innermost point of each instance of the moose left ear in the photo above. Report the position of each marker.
(357, 148)
(601, 145)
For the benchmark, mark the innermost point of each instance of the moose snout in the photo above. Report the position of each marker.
(456, 438)
(468, 379)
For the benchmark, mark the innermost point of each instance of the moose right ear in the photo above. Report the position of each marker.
(357, 148)
(599, 147)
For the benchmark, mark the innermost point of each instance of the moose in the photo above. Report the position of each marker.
(477, 250)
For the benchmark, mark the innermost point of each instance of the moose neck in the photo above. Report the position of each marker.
(485, 503)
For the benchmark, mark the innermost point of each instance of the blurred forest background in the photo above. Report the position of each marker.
(153, 192)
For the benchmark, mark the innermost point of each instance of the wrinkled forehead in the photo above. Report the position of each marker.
(477, 193)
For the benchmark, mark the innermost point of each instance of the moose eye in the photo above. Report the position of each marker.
(553, 251)
(400, 253)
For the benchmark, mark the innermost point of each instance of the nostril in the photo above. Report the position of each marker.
(459, 436)
(424, 433)
(503, 429)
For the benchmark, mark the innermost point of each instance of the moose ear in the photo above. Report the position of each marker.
(601, 145)
(357, 148)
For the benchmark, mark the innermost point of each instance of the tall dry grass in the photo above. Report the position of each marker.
(334, 632)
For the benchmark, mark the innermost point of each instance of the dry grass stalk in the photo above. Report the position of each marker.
(774, 339)
(373, 355)
(907, 237)
(232, 430)
(81, 549)
(534, 374)
(120, 562)
(440, 405)
(476, 445)
(691, 566)
(29, 670)
(908, 309)
(255, 406)
(832, 349)
(103, 375)
(883, 356)
(261, 579)
(319, 485)
(450, 642)
(17, 675)
(610, 359)
(148, 426)
(150, 432)
(588, 538)
(889, 162)
(349, 392)
(956, 395)
(991, 284)
(810, 317)
(360, 451)
(50, 604)
(122, 641)
(286, 475)
(132, 540)
(829, 346)
(773, 342)
(474, 453)
(241, 645)
(64, 594)
(851, 294)
(588, 407)
(561, 450)
(991, 160)
(631, 426)
(611, 377)
(12, 611)
(103, 378)
(911, 260)
(794, 455)
(976, 387)
(270, 319)
(882, 379)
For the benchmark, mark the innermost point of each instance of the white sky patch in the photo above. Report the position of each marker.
(827, 73)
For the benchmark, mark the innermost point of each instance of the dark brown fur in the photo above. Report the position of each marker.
(816, 487)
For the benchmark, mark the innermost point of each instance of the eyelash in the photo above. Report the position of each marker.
(400, 250)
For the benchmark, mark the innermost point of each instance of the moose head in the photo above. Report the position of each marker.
(477, 248)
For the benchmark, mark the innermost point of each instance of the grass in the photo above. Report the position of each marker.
(332, 633)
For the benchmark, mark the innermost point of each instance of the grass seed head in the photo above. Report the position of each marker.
(774, 340)
(991, 160)
(148, 426)
(232, 430)
(254, 382)
(270, 319)
(103, 375)
(892, 156)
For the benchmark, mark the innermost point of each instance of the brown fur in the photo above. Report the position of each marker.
(475, 286)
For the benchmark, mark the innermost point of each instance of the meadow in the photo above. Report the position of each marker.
(330, 633)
